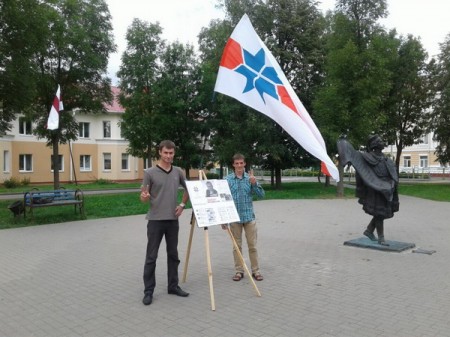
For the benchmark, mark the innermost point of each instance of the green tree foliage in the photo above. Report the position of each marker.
(179, 115)
(45, 43)
(211, 41)
(138, 74)
(441, 120)
(357, 78)
(18, 44)
(407, 104)
(293, 31)
(160, 91)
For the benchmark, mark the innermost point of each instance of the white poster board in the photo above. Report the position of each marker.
(212, 202)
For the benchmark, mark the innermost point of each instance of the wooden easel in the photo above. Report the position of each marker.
(202, 176)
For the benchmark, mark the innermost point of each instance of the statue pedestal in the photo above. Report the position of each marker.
(394, 246)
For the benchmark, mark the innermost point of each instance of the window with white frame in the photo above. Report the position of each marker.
(25, 127)
(83, 130)
(6, 161)
(60, 163)
(406, 161)
(122, 134)
(25, 163)
(106, 129)
(125, 162)
(107, 161)
(85, 162)
(423, 161)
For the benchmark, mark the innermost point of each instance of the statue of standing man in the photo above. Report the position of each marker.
(376, 183)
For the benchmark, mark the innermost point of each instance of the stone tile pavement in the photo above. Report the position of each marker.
(84, 278)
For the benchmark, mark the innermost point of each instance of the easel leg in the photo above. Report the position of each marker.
(188, 252)
(210, 278)
(243, 261)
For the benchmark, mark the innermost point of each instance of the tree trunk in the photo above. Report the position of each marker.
(277, 178)
(272, 176)
(327, 181)
(187, 169)
(149, 155)
(221, 171)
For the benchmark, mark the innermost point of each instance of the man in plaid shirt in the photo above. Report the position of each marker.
(243, 186)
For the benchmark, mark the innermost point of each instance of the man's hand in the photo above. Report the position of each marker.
(145, 195)
(251, 177)
(178, 210)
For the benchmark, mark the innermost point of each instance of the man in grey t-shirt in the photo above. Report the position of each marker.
(160, 188)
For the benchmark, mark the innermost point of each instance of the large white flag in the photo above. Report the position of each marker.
(57, 106)
(249, 73)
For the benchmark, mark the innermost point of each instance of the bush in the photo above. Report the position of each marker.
(11, 183)
(25, 181)
(102, 181)
(212, 175)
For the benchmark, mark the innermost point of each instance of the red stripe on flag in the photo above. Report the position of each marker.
(56, 103)
(286, 99)
(324, 169)
(232, 55)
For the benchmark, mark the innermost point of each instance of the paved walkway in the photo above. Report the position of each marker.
(84, 278)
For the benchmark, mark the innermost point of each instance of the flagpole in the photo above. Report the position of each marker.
(72, 163)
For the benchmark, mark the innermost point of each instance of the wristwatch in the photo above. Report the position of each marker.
(182, 205)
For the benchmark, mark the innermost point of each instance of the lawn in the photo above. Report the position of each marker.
(123, 204)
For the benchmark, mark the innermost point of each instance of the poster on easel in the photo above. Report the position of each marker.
(212, 202)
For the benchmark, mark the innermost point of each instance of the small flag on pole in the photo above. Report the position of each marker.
(249, 73)
(57, 106)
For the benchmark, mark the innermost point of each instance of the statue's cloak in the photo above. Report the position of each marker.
(376, 179)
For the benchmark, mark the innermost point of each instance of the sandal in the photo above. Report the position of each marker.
(238, 276)
(258, 277)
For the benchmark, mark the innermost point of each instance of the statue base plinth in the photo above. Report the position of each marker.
(394, 246)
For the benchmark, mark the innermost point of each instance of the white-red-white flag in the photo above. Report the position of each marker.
(57, 106)
(249, 73)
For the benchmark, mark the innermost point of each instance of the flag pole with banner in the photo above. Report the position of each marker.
(249, 73)
(57, 106)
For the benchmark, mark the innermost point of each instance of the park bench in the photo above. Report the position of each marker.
(37, 199)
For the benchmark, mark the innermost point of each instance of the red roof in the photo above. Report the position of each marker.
(115, 106)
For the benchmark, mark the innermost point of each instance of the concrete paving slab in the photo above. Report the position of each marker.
(84, 278)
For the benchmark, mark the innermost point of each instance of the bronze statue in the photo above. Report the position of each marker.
(376, 183)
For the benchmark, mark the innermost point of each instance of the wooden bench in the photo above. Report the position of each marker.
(37, 199)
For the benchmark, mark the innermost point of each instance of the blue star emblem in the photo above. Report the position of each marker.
(259, 76)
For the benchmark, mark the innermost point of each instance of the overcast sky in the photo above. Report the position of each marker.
(182, 20)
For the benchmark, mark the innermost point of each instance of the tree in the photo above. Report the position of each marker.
(407, 104)
(138, 74)
(294, 32)
(68, 44)
(179, 115)
(357, 78)
(441, 114)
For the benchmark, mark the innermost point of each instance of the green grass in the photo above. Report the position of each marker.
(123, 204)
(436, 192)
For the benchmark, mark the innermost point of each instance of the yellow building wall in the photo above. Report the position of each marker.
(41, 160)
